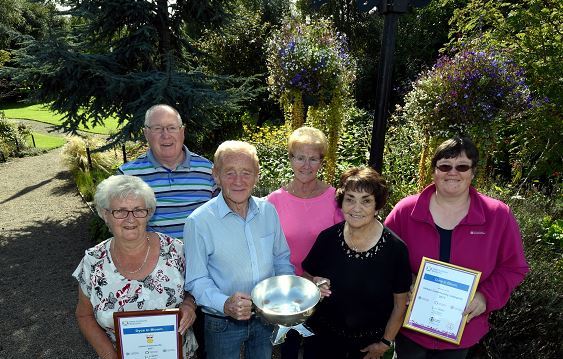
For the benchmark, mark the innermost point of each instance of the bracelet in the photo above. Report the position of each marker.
(386, 342)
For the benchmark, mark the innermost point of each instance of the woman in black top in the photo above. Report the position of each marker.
(368, 272)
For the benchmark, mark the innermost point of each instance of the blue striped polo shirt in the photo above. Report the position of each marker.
(178, 192)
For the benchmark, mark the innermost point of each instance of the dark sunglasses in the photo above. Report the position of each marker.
(459, 168)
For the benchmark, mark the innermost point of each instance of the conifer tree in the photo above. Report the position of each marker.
(124, 56)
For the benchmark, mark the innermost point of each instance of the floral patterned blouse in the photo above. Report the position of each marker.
(110, 292)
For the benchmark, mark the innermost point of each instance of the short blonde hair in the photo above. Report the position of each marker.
(308, 136)
(235, 147)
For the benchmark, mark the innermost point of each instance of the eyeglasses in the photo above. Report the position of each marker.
(301, 160)
(123, 213)
(459, 168)
(161, 129)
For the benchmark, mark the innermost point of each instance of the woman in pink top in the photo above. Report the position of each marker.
(306, 205)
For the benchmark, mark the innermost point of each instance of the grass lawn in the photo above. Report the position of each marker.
(46, 141)
(42, 114)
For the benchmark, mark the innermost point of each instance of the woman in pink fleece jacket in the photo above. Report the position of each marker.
(452, 222)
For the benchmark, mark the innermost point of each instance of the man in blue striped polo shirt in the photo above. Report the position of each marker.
(181, 180)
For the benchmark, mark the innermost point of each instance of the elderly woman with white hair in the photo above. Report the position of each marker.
(134, 270)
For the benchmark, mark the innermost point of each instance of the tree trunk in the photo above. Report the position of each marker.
(162, 25)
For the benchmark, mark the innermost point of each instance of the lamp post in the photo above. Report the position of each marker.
(390, 9)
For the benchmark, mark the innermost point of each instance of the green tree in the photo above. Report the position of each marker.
(124, 56)
(238, 47)
(532, 32)
(22, 19)
(421, 34)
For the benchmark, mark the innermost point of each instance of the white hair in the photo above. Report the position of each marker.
(123, 186)
(153, 109)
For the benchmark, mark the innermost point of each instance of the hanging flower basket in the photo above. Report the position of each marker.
(309, 64)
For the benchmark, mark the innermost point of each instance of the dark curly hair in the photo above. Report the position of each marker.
(363, 179)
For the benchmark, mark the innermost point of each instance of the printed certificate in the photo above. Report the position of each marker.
(149, 334)
(441, 293)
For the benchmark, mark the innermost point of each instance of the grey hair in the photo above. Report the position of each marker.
(153, 109)
(232, 147)
(121, 187)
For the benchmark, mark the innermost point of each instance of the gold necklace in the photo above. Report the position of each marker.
(142, 264)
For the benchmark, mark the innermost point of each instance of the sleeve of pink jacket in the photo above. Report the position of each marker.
(511, 266)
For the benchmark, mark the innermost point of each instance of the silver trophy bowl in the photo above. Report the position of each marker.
(286, 301)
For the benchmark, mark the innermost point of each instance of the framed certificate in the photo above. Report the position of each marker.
(441, 293)
(149, 334)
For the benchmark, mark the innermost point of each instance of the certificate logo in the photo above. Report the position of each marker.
(150, 339)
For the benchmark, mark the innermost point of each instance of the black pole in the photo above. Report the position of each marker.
(33, 140)
(124, 153)
(383, 89)
(89, 158)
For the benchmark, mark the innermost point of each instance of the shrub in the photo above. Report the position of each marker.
(98, 230)
(533, 313)
(76, 157)
(271, 144)
(103, 164)
(309, 60)
(477, 93)
(13, 138)
(553, 232)
(309, 64)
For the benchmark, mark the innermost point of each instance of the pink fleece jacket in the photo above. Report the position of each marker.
(487, 239)
(302, 219)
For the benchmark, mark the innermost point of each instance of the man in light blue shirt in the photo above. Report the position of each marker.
(232, 242)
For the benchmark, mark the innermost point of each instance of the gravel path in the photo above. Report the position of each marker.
(43, 235)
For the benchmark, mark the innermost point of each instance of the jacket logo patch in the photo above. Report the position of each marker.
(477, 232)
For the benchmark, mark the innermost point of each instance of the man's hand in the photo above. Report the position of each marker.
(238, 306)
(477, 306)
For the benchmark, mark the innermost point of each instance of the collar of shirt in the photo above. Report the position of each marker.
(223, 209)
(185, 164)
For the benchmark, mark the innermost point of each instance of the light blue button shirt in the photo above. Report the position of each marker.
(226, 253)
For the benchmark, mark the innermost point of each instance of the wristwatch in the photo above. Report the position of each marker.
(389, 343)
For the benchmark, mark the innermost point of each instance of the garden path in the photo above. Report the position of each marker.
(43, 235)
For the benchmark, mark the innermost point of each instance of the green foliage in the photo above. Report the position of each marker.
(553, 232)
(271, 144)
(75, 155)
(309, 59)
(531, 31)
(98, 230)
(86, 181)
(309, 64)
(123, 57)
(22, 19)
(13, 138)
(471, 88)
(533, 315)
